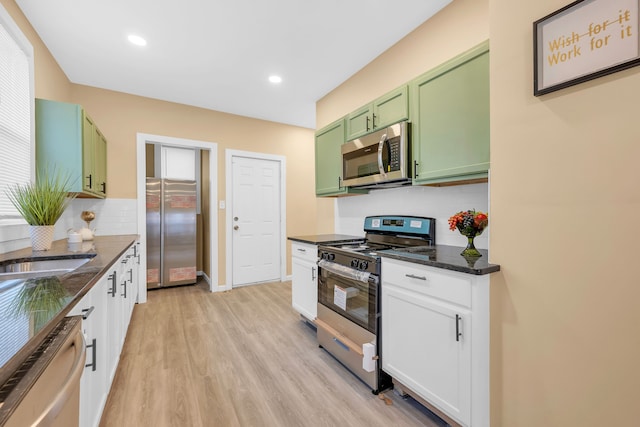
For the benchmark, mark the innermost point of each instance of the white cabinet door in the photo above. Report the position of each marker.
(304, 288)
(93, 383)
(426, 345)
(304, 279)
(113, 323)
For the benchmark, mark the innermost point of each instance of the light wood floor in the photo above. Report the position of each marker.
(238, 358)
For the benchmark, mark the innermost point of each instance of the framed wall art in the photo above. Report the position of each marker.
(584, 40)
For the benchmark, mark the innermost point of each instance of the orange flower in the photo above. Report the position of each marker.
(469, 223)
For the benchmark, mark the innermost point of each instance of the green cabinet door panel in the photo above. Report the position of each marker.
(359, 122)
(88, 154)
(450, 115)
(56, 124)
(390, 108)
(100, 147)
(66, 139)
(329, 161)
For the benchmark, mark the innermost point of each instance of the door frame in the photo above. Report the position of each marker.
(141, 141)
(229, 155)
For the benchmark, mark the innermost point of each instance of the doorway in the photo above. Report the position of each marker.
(211, 188)
(256, 224)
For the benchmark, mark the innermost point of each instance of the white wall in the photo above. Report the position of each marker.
(435, 202)
(113, 216)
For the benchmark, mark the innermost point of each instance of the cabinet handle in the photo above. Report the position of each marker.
(374, 121)
(413, 276)
(104, 187)
(415, 169)
(86, 312)
(458, 333)
(339, 182)
(112, 277)
(368, 123)
(131, 275)
(302, 250)
(341, 344)
(94, 352)
(313, 273)
(125, 289)
(90, 181)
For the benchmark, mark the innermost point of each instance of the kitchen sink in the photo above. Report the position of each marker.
(40, 267)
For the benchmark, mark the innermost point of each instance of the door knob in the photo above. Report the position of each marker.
(235, 227)
(235, 218)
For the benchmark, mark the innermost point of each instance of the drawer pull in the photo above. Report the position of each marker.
(92, 346)
(341, 344)
(413, 276)
(114, 285)
(86, 312)
(302, 250)
(458, 333)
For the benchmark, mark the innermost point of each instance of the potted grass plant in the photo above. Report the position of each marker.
(41, 203)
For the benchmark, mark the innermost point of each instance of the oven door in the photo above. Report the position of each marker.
(349, 292)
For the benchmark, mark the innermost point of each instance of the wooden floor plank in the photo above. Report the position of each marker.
(239, 358)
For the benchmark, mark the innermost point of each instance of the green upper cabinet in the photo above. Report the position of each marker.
(384, 111)
(329, 160)
(450, 120)
(68, 139)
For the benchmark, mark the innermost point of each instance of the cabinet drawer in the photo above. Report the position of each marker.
(434, 282)
(304, 251)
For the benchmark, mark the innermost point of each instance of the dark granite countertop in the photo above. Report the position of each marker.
(326, 239)
(32, 308)
(445, 257)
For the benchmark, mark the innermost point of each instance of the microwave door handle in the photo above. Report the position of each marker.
(383, 139)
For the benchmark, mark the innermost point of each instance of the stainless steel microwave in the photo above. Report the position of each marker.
(378, 160)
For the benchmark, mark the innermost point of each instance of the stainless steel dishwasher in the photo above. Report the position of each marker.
(48, 394)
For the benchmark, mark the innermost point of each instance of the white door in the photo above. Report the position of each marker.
(255, 220)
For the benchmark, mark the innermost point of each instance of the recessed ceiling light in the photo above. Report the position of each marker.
(275, 79)
(137, 40)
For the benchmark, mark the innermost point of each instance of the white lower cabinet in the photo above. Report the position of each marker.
(435, 337)
(106, 311)
(93, 395)
(304, 282)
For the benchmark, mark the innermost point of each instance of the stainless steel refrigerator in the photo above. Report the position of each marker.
(171, 232)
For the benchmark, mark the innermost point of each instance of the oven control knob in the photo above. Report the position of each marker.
(332, 257)
(354, 263)
(363, 265)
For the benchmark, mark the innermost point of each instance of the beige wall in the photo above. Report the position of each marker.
(50, 82)
(565, 191)
(121, 116)
(564, 194)
(429, 45)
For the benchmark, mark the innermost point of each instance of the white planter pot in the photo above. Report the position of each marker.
(41, 237)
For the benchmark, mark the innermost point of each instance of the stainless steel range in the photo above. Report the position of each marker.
(348, 293)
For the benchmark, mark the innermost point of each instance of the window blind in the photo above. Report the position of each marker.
(15, 120)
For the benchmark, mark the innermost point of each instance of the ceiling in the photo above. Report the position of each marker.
(219, 54)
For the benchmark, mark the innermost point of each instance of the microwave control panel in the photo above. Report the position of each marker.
(394, 155)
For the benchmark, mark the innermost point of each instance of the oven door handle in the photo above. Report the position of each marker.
(383, 139)
(348, 272)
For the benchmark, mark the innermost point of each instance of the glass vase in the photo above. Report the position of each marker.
(470, 250)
